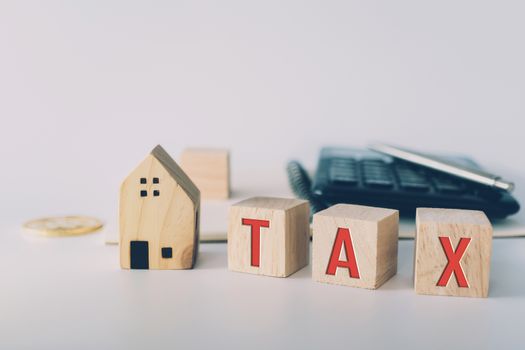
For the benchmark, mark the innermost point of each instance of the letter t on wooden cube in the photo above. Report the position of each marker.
(354, 245)
(452, 252)
(269, 236)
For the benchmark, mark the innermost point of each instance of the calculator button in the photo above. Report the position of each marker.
(342, 176)
(367, 161)
(415, 186)
(379, 183)
(344, 162)
(448, 186)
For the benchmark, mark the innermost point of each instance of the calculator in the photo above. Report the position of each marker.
(364, 177)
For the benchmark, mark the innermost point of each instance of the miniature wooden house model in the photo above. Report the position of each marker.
(159, 216)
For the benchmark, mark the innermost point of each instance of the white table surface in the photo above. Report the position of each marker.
(70, 293)
(65, 293)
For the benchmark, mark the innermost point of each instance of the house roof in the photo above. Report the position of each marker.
(177, 173)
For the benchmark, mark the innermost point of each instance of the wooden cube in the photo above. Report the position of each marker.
(209, 169)
(452, 252)
(355, 245)
(269, 236)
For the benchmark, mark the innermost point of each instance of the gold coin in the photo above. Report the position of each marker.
(64, 226)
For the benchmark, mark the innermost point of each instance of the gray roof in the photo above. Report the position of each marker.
(177, 174)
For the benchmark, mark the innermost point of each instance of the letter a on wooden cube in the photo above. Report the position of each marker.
(159, 216)
(269, 236)
(355, 245)
(452, 252)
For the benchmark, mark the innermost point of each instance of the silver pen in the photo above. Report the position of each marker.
(475, 175)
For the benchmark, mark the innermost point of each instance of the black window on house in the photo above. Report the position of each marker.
(167, 252)
(144, 193)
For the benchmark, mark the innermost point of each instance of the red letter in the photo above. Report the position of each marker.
(256, 237)
(343, 238)
(453, 262)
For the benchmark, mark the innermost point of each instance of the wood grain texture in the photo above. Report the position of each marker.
(431, 260)
(284, 245)
(374, 235)
(170, 219)
(209, 169)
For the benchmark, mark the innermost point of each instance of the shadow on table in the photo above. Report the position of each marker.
(506, 279)
(304, 273)
(398, 282)
(212, 260)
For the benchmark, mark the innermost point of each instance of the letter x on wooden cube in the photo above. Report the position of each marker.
(452, 252)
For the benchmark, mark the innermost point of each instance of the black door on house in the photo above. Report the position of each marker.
(139, 255)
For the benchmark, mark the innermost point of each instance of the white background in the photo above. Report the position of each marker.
(88, 88)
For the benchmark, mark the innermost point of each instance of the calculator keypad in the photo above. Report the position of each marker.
(379, 174)
(376, 174)
(411, 179)
(355, 176)
(344, 172)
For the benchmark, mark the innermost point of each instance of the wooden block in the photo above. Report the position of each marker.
(355, 245)
(269, 236)
(452, 252)
(210, 170)
(159, 216)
